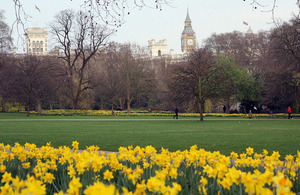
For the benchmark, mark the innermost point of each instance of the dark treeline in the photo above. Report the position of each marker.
(256, 70)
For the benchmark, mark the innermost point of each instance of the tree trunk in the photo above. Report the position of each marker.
(75, 102)
(128, 106)
(201, 108)
(128, 102)
(28, 110)
(78, 94)
(71, 89)
(228, 107)
(71, 94)
(121, 103)
(101, 103)
(28, 106)
(112, 109)
(76, 99)
(39, 108)
(200, 98)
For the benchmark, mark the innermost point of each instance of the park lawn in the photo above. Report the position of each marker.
(213, 135)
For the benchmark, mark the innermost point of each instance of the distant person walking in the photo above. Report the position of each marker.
(224, 109)
(289, 112)
(176, 113)
(250, 113)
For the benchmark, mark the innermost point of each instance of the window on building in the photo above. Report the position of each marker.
(33, 49)
(159, 53)
(41, 44)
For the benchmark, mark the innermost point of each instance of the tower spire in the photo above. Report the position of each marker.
(187, 19)
(188, 36)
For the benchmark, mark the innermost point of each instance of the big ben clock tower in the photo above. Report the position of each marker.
(188, 36)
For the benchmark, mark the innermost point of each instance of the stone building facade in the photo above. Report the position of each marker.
(36, 41)
(188, 44)
(157, 49)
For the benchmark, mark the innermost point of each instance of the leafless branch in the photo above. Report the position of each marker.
(114, 12)
(256, 4)
(20, 18)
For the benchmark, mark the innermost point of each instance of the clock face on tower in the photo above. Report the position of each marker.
(190, 42)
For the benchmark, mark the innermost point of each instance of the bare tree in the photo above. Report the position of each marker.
(111, 12)
(30, 81)
(286, 40)
(278, 92)
(246, 48)
(137, 77)
(7, 70)
(190, 81)
(126, 77)
(79, 39)
(226, 44)
(5, 35)
(111, 83)
(270, 7)
(282, 66)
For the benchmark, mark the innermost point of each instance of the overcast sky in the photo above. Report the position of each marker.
(208, 16)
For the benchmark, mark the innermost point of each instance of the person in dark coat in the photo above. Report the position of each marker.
(176, 113)
(224, 108)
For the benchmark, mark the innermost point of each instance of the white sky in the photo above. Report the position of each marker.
(208, 16)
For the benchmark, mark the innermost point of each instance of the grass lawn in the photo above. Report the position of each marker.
(225, 135)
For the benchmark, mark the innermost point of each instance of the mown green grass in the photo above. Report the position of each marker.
(224, 136)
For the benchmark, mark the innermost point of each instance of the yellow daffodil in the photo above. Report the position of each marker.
(153, 184)
(108, 175)
(145, 168)
(6, 177)
(100, 188)
(249, 151)
(26, 165)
